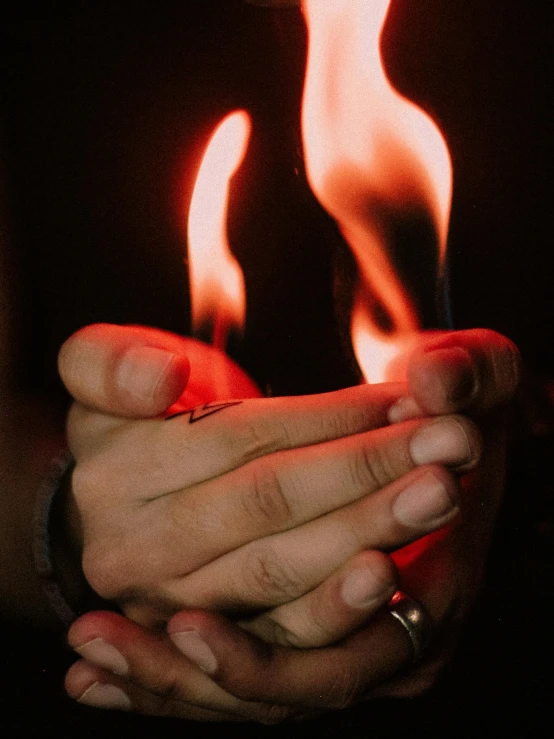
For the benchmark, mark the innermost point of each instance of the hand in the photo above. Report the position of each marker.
(302, 472)
(360, 662)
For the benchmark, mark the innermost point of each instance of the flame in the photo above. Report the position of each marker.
(370, 154)
(217, 288)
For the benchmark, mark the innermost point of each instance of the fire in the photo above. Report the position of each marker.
(370, 154)
(217, 288)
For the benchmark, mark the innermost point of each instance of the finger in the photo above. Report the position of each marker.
(130, 668)
(277, 569)
(441, 573)
(92, 686)
(210, 441)
(357, 667)
(273, 494)
(126, 370)
(334, 609)
(331, 677)
(136, 371)
(281, 492)
(473, 370)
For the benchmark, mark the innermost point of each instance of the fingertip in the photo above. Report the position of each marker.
(369, 582)
(88, 685)
(148, 379)
(430, 500)
(474, 370)
(124, 370)
(95, 624)
(451, 440)
(405, 409)
(199, 620)
(381, 565)
(79, 678)
(216, 642)
(443, 380)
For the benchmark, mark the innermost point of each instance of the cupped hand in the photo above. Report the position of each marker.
(206, 668)
(249, 505)
(209, 669)
(276, 682)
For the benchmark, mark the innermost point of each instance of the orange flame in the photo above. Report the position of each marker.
(217, 288)
(370, 154)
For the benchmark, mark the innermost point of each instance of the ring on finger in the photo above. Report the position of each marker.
(414, 618)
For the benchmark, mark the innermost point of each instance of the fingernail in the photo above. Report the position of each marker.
(443, 441)
(191, 644)
(403, 410)
(104, 655)
(362, 588)
(423, 502)
(100, 695)
(457, 376)
(142, 370)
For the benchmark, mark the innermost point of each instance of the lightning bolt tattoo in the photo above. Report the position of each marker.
(203, 411)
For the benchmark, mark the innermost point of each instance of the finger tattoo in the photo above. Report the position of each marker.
(203, 411)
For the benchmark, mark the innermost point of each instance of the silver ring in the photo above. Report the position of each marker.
(414, 618)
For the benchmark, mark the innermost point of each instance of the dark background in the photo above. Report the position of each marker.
(105, 113)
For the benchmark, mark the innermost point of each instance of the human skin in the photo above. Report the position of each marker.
(479, 363)
(233, 507)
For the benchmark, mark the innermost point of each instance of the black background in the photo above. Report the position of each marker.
(105, 113)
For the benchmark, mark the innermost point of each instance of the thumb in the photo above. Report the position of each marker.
(131, 371)
(471, 371)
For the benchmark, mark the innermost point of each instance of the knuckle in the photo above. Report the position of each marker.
(372, 467)
(249, 439)
(257, 436)
(246, 440)
(265, 499)
(269, 578)
(354, 417)
(100, 571)
(86, 481)
(111, 570)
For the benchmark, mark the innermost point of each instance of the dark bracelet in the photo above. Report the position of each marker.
(60, 468)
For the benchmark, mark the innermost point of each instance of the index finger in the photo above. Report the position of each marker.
(203, 443)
